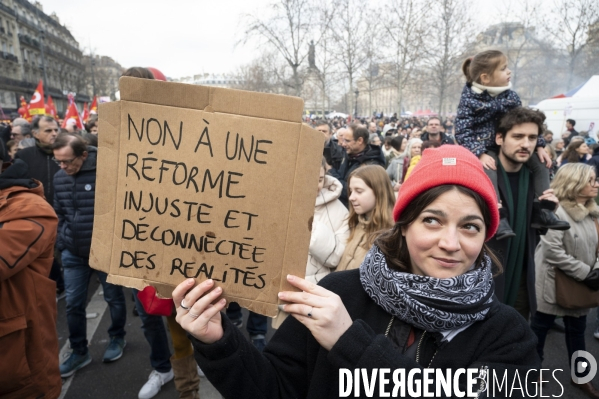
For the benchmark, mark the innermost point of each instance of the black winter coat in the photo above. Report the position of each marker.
(594, 161)
(74, 206)
(499, 247)
(334, 154)
(372, 155)
(41, 167)
(445, 138)
(294, 365)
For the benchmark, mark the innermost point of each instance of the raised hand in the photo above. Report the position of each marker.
(198, 309)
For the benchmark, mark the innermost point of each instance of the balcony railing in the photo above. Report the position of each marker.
(9, 56)
(7, 9)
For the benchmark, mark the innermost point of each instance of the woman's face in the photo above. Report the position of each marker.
(416, 147)
(403, 145)
(321, 179)
(447, 237)
(559, 145)
(590, 190)
(362, 197)
(583, 149)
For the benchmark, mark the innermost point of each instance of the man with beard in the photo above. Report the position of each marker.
(359, 152)
(516, 137)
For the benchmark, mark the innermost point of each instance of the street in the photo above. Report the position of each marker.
(125, 377)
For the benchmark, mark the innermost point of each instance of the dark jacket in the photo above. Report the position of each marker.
(372, 155)
(74, 205)
(567, 140)
(445, 138)
(28, 339)
(479, 115)
(294, 365)
(334, 154)
(594, 161)
(499, 247)
(41, 167)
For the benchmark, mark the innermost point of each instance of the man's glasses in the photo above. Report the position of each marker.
(66, 162)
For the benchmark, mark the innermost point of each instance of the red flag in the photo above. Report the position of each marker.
(52, 108)
(85, 115)
(73, 114)
(36, 105)
(24, 110)
(93, 109)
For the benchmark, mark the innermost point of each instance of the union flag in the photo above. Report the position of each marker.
(72, 113)
(36, 105)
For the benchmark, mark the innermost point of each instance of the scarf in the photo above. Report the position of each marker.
(493, 91)
(516, 246)
(429, 303)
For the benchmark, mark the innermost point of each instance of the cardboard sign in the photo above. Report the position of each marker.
(204, 182)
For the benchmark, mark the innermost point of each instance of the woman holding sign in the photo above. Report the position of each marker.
(422, 299)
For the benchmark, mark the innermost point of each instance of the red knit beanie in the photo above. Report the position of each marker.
(449, 164)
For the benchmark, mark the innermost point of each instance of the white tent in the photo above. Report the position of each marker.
(336, 114)
(580, 104)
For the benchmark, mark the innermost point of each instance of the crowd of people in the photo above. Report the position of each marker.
(434, 243)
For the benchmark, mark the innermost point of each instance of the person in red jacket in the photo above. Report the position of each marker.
(28, 338)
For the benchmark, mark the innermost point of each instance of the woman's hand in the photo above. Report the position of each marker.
(544, 157)
(320, 310)
(202, 320)
(487, 161)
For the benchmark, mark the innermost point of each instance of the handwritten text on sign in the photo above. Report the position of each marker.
(149, 168)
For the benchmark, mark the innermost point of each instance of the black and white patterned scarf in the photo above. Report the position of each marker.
(447, 305)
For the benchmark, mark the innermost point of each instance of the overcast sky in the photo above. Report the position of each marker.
(179, 37)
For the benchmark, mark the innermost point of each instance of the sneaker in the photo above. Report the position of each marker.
(200, 372)
(154, 383)
(259, 341)
(60, 294)
(114, 350)
(74, 363)
(596, 333)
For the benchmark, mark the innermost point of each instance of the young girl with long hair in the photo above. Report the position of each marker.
(371, 202)
(486, 98)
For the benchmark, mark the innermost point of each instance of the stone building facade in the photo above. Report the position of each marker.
(31, 41)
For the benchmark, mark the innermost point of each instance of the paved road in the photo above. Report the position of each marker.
(123, 378)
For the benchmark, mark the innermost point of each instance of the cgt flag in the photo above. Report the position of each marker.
(93, 109)
(36, 105)
(24, 110)
(51, 108)
(73, 114)
(85, 115)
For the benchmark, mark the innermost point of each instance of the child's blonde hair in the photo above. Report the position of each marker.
(483, 62)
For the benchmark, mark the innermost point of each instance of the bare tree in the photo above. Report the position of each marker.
(352, 32)
(452, 28)
(287, 32)
(569, 25)
(407, 29)
(264, 74)
(327, 65)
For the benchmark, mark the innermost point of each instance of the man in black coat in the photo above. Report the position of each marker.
(74, 199)
(43, 168)
(434, 133)
(359, 152)
(39, 157)
(517, 137)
